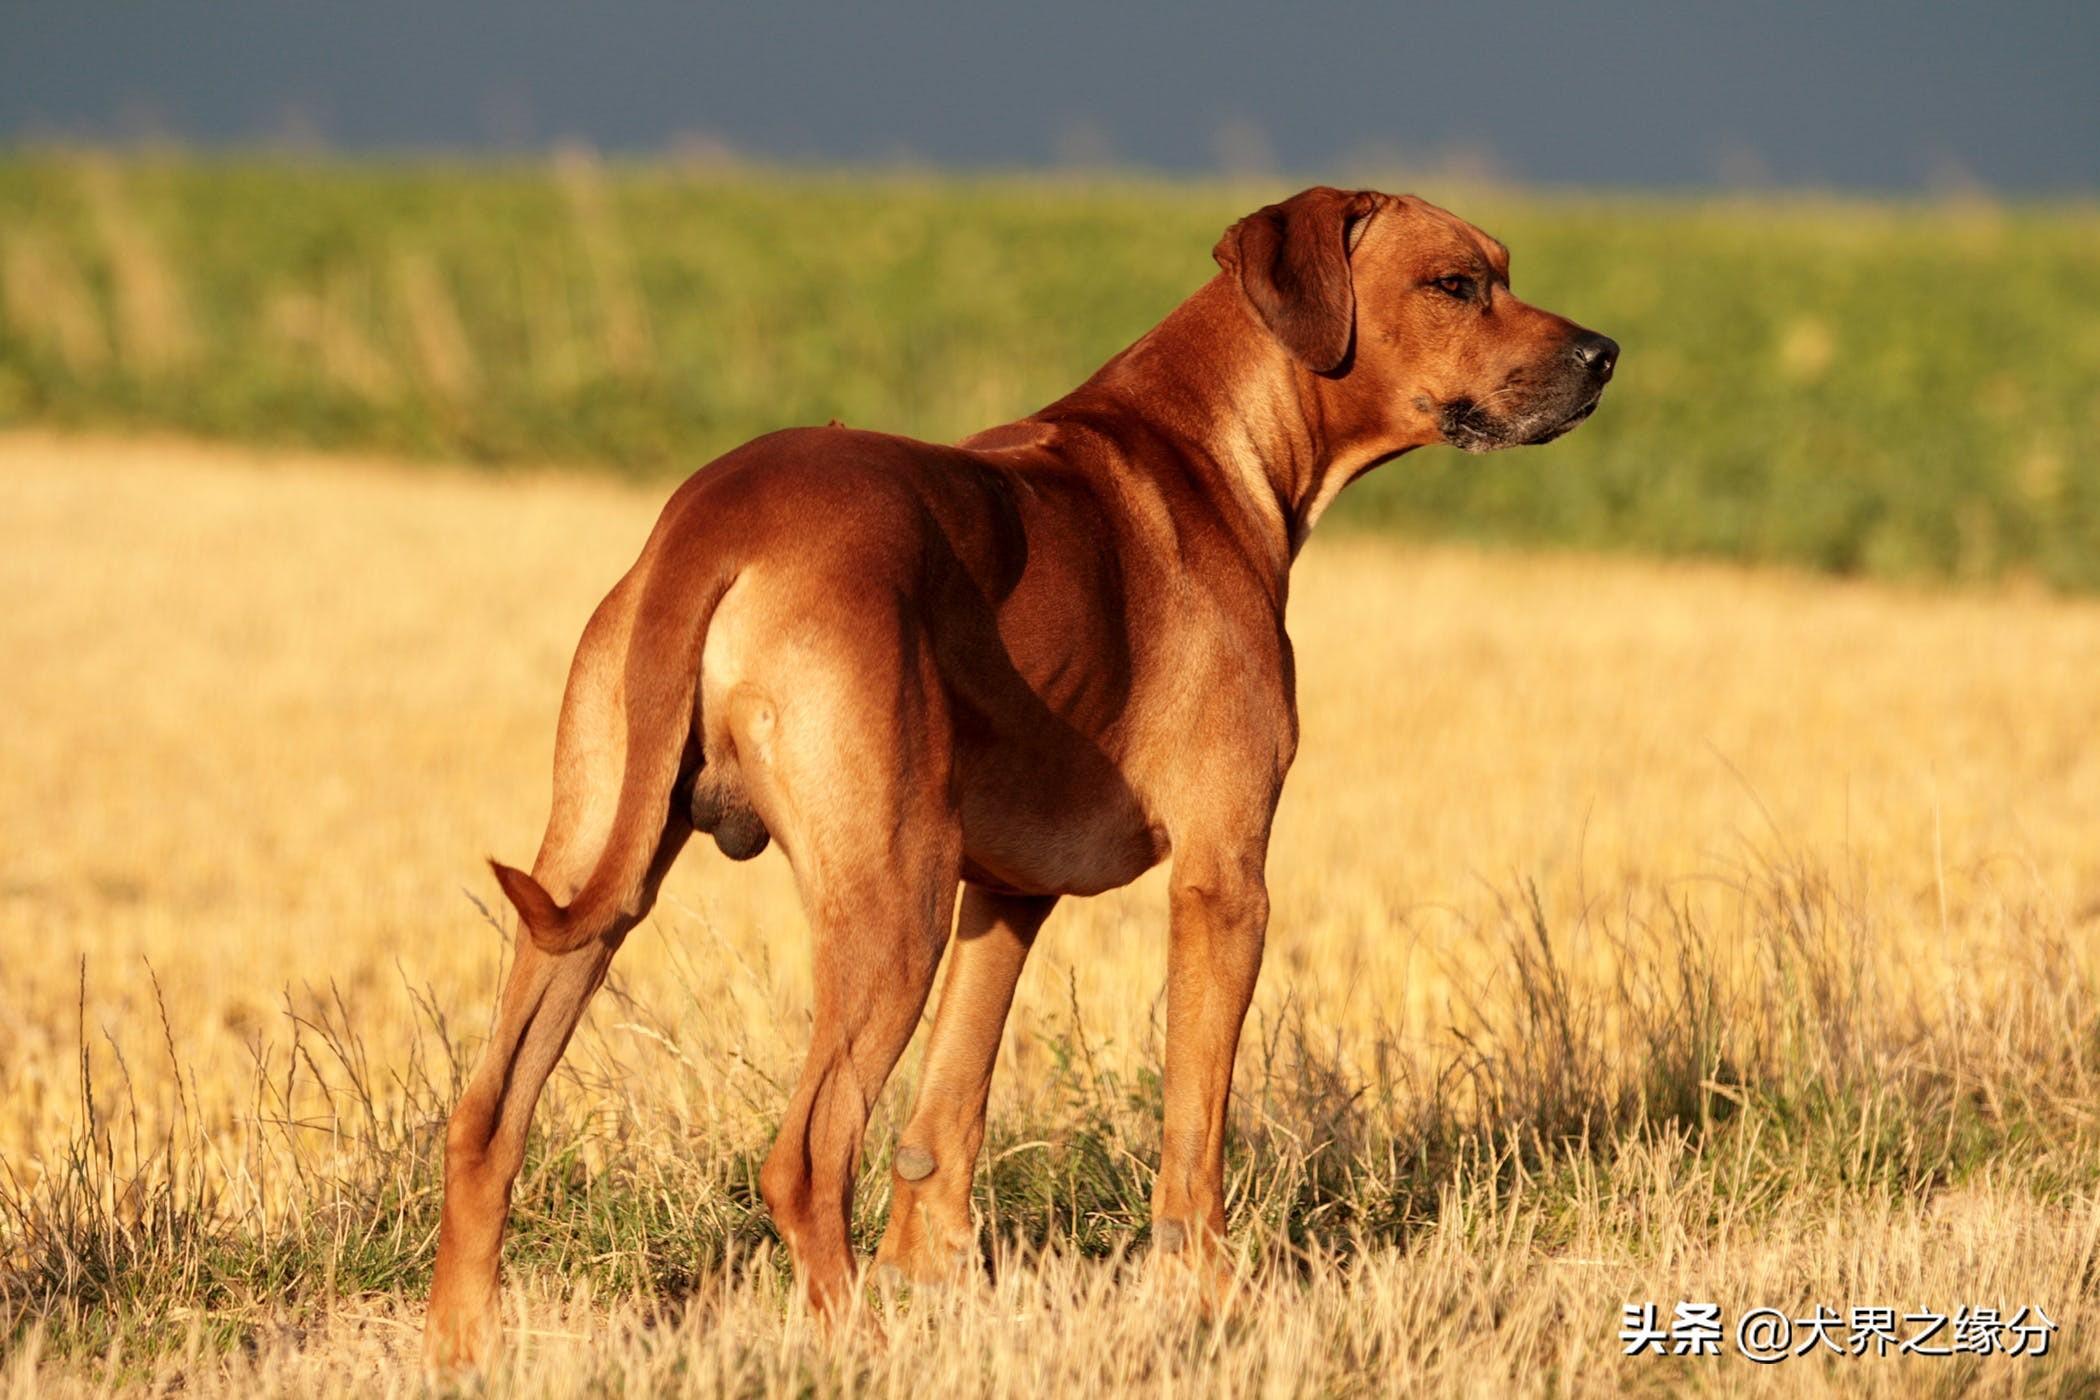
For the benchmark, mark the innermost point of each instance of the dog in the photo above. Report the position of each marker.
(1031, 665)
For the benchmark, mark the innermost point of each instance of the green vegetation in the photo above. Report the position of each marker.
(1908, 390)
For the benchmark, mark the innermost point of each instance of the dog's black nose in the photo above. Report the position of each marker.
(1596, 353)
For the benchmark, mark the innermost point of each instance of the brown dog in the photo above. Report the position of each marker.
(1033, 664)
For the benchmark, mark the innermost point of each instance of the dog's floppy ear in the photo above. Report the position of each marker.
(1291, 261)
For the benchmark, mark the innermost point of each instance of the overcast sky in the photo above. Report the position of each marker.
(1623, 92)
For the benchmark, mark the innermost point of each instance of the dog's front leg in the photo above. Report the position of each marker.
(930, 1237)
(1220, 915)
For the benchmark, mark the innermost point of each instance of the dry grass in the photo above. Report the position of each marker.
(1640, 933)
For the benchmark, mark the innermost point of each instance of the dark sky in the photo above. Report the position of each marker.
(1622, 92)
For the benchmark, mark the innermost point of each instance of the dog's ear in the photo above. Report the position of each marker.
(1291, 261)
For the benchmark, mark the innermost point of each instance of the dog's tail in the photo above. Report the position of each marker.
(663, 675)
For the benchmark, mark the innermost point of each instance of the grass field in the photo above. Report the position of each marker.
(1641, 932)
(1899, 389)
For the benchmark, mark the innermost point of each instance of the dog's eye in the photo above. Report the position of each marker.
(1460, 287)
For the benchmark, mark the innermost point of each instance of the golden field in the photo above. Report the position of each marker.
(1565, 837)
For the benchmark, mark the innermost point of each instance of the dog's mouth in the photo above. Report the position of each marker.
(1470, 428)
(1567, 424)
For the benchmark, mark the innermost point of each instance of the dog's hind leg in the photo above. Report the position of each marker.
(850, 767)
(930, 1236)
(542, 1001)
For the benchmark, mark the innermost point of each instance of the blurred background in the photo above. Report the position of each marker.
(1853, 256)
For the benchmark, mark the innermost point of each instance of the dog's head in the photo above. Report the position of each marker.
(1405, 311)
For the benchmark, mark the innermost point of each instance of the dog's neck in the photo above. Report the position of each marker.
(1261, 428)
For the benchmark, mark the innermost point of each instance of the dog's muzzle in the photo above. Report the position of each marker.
(1575, 388)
